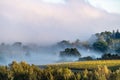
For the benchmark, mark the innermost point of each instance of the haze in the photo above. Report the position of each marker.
(49, 21)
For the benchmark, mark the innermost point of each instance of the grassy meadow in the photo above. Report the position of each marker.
(111, 64)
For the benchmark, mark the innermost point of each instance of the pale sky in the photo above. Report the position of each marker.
(49, 21)
(55, 1)
(112, 6)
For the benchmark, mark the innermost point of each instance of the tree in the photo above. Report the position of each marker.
(3, 73)
(78, 76)
(109, 41)
(101, 46)
(101, 73)
(85, 75)
(64, 44)
(70, 52)
(118, 50)
(110, 56)
(117, 35)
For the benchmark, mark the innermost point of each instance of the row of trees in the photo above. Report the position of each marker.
(24, 71)
(109, 56)
(103, 42)
(107, 41)
(108, 34)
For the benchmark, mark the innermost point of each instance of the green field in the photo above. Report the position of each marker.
(111, 64)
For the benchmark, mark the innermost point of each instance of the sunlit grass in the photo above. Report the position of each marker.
(112, 64)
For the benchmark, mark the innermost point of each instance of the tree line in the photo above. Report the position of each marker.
(24, 71)
(104, 42)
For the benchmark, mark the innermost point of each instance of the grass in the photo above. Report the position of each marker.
(111, 64)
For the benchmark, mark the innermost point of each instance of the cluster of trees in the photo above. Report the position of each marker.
(24, 71)
(107, 42)
(109, 56)
(75, 44)
(117, 50)
(85, 58)
(103, 42)
(107, 34)
(100, 46)
(116, 34)
(70, 52)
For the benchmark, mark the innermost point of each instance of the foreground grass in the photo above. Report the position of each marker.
(112, 64)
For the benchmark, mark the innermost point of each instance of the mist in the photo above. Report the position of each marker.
(46, 22)
(42, 22)
(39, 55)
(31, 54)
(92, 53)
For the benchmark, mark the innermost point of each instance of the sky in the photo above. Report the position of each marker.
(50, 21)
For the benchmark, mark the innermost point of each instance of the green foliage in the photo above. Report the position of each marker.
(3, 73)
(78, 76)
(100, 46)
(110, 56)
(70, 52)
(117, 34)
(63, 74)
(118, 50)
(110, 41)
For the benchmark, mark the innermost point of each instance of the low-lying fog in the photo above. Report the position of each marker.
(37, 55)
(33, 58)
